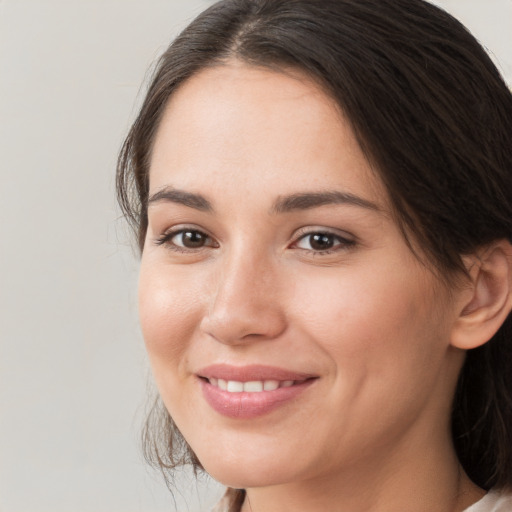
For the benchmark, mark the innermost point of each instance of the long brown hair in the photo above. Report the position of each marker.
(434, 118)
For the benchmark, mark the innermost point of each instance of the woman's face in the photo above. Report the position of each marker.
(271, 261)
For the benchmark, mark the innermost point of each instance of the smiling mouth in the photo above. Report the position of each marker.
(245, 393)
(253, 386)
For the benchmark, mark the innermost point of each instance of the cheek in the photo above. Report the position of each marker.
(385, 347)
(170, 310)
(371, 318)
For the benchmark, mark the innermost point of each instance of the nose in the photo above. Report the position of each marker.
(245, 304)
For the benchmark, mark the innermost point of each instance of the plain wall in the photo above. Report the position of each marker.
(73, 371)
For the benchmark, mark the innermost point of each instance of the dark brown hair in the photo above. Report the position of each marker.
(434, 118)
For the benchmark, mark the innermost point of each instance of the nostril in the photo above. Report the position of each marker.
(244, 324)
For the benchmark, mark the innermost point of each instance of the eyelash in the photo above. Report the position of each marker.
(166, 239)
(342, 243)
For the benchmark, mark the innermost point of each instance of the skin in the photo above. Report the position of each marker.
(367, 318)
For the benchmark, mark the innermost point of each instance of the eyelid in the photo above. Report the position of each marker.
(346, 239)
(311, 230)
(165, 238)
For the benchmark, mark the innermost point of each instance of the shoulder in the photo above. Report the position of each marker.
(493, 501)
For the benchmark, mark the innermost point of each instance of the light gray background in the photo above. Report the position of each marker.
(72, 364)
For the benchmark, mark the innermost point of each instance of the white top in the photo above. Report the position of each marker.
(493, 501)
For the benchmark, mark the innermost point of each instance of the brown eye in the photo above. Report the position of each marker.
(190, 239)
(322, 242)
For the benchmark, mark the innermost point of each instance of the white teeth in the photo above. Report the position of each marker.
(254, 386)
(270, 385)
(235, 387)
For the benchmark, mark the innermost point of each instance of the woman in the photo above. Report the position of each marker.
(322, 196)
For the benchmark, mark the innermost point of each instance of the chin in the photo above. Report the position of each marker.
(243, 473)
(244, 477)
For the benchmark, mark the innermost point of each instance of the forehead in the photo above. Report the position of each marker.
(256, 128)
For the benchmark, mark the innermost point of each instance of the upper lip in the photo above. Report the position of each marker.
(253, 372)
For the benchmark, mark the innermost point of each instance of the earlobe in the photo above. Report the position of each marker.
(488, 300)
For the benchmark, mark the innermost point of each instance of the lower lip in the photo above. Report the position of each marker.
(245, 405)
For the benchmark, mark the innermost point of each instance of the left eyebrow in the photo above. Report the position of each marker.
(172, 195)
(308, 200)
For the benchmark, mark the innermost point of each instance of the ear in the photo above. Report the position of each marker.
(487, 301)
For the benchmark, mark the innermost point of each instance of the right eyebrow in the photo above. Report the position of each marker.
(309, 200)
(173, 195)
